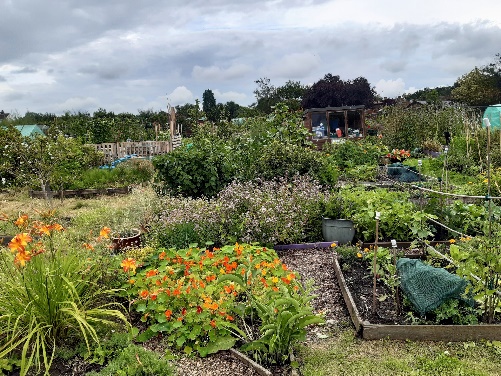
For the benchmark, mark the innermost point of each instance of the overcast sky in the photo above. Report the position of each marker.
(121, 55)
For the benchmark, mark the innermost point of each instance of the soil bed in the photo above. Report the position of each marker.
(384, 322)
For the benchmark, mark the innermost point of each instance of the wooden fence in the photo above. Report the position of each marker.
(146, 149)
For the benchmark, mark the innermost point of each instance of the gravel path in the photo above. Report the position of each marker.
(311, 264)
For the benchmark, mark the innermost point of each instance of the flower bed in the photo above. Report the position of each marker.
(205, 301)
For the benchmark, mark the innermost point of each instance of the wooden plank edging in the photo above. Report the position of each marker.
(350, 303)
(256, 366)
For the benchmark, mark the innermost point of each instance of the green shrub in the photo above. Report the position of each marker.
(200, 168)
(352, 153)
(284, 159)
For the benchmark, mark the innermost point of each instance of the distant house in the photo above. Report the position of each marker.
(30, 130)
(331, 124)
(3, 115)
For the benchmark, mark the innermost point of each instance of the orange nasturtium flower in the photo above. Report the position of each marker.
(213, 323)
(151, 272)
(129, 264)
(20, 241)
(168, 314)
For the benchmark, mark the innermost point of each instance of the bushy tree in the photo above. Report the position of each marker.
(481, 86)
(331, 91)
(268, 96)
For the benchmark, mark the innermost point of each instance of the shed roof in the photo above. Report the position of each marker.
(29, 130)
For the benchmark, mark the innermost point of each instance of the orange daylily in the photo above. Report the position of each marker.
(20, 241)
(21, 221)
(90, 247)
(22, 258)
(105, 232)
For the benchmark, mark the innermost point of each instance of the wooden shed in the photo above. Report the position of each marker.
(333, 124)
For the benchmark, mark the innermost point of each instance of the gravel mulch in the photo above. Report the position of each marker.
(310, 264)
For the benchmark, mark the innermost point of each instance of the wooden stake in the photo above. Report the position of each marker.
(374, 264)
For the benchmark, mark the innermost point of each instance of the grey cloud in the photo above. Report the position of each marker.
(25, 70)
(3, 79)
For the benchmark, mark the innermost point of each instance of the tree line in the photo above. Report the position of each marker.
(480, 87)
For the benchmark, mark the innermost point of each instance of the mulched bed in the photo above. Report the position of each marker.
(317, 265)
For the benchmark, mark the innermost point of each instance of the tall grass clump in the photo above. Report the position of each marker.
(50, 296)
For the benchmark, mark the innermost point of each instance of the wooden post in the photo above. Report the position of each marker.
(374, 264)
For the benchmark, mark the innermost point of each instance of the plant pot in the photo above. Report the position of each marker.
(5, 239)
(340, 230)
(121, 242)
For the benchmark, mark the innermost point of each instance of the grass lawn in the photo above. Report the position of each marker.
(344, 354)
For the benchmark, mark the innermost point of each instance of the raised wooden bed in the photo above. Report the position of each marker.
(450, 333)
(68, 193)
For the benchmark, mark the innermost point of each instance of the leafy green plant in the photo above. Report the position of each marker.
(478, 260)
(400, 219)
(283, 323)
(193, 296)
(50, 294)
(351, 153)
(134, 360)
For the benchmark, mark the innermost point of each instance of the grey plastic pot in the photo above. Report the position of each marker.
(341, 230)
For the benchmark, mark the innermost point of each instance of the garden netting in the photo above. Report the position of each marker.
(405, 174)
(428, 287)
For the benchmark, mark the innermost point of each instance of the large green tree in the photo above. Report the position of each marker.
(481, 86)
(268, 96)
(332, 91)
(209, 106)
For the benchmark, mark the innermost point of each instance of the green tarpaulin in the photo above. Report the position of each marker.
(493, 113)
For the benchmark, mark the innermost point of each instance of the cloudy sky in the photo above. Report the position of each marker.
(121, 55)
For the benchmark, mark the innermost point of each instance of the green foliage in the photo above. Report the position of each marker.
(400, 219)
(480, 87)
(352, 153)
(457, 312)
(193, 296)
(56, 161)
(199, 168)
(268, 96)
(262, 148)
(478, 260)
(408, 128)
(287, 159)
(49, 295)
(283, 323)
(134, 360)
